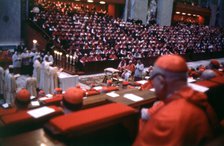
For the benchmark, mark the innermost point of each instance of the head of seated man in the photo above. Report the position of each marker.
(22, 99)
(207, 74)
(184, 117)
(214, 64)
(169, 74)
(73, 99)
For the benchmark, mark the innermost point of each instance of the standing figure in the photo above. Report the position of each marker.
(36, 70)
(53, 72)
(31, 85)
(10, 86)
(2, 76)
(17, 62)
(139, 67)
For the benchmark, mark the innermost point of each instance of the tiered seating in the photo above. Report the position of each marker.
(74, 27)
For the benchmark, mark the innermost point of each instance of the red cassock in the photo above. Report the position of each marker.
(218, 73)
(185, 119)
(130, 67)
(147, 85)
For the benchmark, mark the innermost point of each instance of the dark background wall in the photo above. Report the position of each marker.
(10, 22)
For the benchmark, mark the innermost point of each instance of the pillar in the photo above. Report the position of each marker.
(136, 9)
(164, 12)
(10, 22)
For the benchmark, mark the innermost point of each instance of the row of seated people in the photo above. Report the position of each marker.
(164, 121)
(202, 72)
(92, 30)
(67, 103)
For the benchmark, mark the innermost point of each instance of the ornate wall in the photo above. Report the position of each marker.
(10, 22)
(164, 12)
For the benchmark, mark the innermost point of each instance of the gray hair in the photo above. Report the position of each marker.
(169, 75)
(207, 74)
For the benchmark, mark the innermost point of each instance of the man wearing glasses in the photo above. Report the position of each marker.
(184, 118)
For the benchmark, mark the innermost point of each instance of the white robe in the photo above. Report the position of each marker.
(11, 87)
(42, 74)
(16, 60)
(2, 77)
(31, 85)
(6, 83)
(36, 71)
(53, 78)
(139, 70)
(46, 77)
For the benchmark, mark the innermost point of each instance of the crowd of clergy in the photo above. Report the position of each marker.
(32, 66)
(92, 35)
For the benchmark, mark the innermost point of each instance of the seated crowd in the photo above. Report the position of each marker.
(181, 115)
(92, 35)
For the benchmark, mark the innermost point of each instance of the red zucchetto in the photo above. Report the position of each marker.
(23, 95)
(73, 98)
(173, 63)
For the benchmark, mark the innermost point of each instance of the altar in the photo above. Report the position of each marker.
(66, 80)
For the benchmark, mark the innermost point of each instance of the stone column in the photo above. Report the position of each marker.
(221, 13)
(10, 22)
(164, 12)
(213, 8)
(136, 9)
(126, 9)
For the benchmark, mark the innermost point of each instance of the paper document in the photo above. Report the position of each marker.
(49, 95)
(133, 97)
(98, 88)
(190, 80)
(142, 82)
(120, 79)
(43, 98)
(198, 87)
(32, 97)
(40, 112)
(112, 94)
(5, 105)
(35, 103)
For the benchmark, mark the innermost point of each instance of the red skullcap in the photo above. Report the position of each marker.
(74, 95)
(125, 83)
(173, 63)
(109, 81)
(23, 95)
(41, 93)
(215, 63)
(58, 90)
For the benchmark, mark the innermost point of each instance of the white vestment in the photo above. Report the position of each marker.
(31, 85)
(53, 78)
(2, 78)
(46, 77)
(36, 71)
(11, 86)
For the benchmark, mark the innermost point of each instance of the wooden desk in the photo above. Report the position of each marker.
(33, 138)
(148, 97)
(95, 100)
